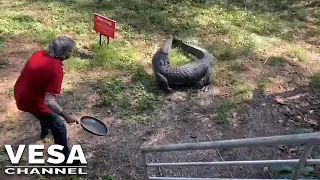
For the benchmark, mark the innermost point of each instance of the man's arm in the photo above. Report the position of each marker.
(50, 101)
(54, 88)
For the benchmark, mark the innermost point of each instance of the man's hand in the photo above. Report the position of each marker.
(69, 117)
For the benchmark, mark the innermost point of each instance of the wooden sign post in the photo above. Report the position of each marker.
(105, 27)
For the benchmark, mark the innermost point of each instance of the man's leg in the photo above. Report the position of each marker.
(44, 129)
(53, 122)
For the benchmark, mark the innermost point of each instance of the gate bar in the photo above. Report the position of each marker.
(236, 143)
(180, 178)
(235, 163)
(302, 161)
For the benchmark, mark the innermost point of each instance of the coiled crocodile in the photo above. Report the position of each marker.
(196, 73)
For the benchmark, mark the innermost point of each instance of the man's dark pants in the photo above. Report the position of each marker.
(58, 129)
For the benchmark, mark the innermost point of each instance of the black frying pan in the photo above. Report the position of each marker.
(93, 125)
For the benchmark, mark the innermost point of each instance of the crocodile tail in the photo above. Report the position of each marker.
(166, 47)
(192, 49)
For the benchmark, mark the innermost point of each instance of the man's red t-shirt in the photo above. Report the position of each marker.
(41, 74)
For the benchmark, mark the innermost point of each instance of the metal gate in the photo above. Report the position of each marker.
(309, 140)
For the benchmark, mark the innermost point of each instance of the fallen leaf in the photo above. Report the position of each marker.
(193, 136)
(293, 150)
(281, 148)
(280, 100)
(265, 169)
(311, 121)
(234, 114)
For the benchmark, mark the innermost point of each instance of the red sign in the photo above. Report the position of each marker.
(104, 26)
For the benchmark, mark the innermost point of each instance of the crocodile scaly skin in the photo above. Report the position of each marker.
(195, 73)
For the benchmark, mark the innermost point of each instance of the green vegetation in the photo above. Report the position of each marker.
(75, 177)
(3, 157)
(232, 32)
(303, 130)
(129, 100)
(315, 82)
(264, 82)
(222, 75)
(243, 92)
(177, 57)
(107, 177)
(286, 171)
(301, 54)
(10, 92)
(77, 63)
(2, 43)
(224, 109)
(10, 119)
(3, 64)
(119, 55)
(239, 46)
(301, 15)
(275, 60)
(237, 67)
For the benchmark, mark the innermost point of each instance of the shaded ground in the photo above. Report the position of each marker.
(260, 84)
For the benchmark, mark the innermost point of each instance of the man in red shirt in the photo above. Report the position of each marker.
(39, 84)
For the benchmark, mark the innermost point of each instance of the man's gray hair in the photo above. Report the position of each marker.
(61, 47)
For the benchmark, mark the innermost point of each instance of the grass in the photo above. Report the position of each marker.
(10, 119)
(315, 82)
(107, 177)
(14, 23)
(300, 53)
(237, 47)
(133, 98)
(117, 56)
(264, 83)
(48, 139)
(224, 110)
(2, 43)
(275, 60)
(3, 64)
(232, 32)
(242, 92)
(3, 157)
(129, 100)
(77, 63)
(177, 57)
(301, 14)
(10, 92)
(237, 67)
(286, 171)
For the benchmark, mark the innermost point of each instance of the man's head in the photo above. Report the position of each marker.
(61, 47)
